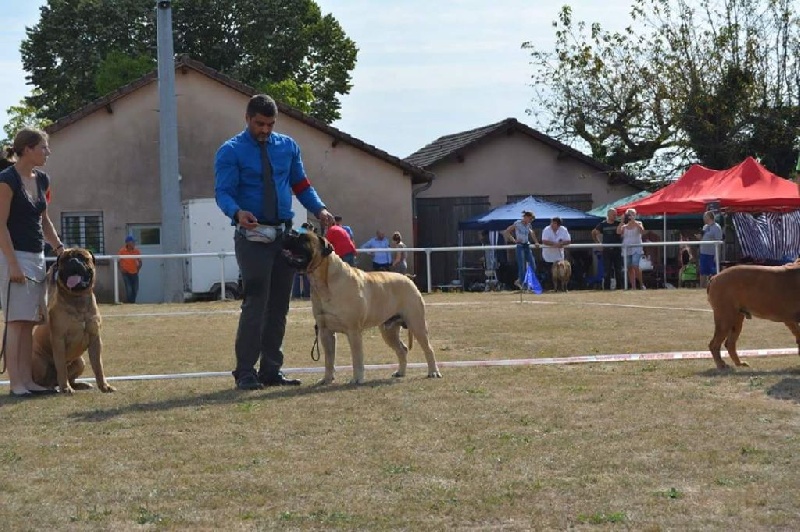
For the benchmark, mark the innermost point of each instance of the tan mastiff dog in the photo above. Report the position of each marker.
(769, 292)
(72, 327)
(562, 273)
(348, 300)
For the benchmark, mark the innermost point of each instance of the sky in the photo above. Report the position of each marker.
(422, 72)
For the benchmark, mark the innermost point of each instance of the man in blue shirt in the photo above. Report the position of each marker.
(381, 260)
(257, 171)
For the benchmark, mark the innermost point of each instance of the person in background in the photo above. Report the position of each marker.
(25, 226)
(521, 233)
(381, 260)
(399, 263)
(130, 268)
(708, 252)
(555, 238)
(338, 221)
(632, 230)
(342, 243)
(606, 233)
(256, 173)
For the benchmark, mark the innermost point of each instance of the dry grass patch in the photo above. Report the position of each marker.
(644, 446)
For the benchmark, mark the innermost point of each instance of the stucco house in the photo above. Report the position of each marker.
(105, 167)
(483, 168)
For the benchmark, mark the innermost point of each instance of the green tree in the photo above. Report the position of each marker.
(687, 80)
(119, 69)
(20, 116)
(72, 53)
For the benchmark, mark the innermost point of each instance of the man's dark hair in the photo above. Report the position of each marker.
(557, 220)
(263, 105)
(337, 218)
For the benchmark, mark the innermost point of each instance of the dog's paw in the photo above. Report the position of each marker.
(397, 374)
(107, 388)
(743, 364)
(325, 381)
(355, 380)
(69, 390)
(435, 374)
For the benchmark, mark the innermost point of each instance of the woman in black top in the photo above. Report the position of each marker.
(24, 228)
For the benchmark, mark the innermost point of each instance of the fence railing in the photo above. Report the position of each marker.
(428, 253)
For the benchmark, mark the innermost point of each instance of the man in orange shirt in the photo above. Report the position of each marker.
(130, 269)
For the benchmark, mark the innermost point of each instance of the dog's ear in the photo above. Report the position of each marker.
(94, 261)
(325, 246)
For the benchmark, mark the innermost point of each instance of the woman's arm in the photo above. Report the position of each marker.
(50, 235)
(15, 274)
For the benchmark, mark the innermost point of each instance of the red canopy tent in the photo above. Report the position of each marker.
(747, 186)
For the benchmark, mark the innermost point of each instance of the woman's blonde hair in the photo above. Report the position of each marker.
(396, 236)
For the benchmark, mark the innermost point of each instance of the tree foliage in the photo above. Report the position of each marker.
(21, 116)
(74, 54)
(710, 81)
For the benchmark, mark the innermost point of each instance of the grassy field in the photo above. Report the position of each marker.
(667, 445)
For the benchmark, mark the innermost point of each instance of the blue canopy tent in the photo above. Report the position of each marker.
(499, 218)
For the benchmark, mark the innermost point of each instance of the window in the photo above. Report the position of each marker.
(83, 229)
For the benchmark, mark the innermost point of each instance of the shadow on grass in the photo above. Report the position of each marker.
(227, 397)
(787, 389)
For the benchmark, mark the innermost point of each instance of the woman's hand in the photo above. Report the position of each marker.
(15, 274)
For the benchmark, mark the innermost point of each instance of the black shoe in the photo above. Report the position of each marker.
(248, 381)
(278, 380)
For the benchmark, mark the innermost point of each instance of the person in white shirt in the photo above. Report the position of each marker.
(632, 230)
(555, 238)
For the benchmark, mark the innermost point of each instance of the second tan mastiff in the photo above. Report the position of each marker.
(72, 327)
(348, 300)
(769, 292)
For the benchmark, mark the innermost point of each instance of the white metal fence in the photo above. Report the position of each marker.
(220, 256)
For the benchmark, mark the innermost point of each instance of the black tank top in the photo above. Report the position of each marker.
(25, 216)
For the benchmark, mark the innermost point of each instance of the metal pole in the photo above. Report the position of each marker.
(168, 151)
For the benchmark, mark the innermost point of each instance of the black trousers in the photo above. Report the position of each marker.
(267, 281)
(612, 265)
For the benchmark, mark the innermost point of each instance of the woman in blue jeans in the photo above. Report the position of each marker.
(522, 233)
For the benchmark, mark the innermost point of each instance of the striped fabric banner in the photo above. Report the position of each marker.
(769, 236)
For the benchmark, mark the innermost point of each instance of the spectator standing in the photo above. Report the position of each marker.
(632, 230)
(708, 252)
(555, 237)
(342, 243)
(606, 233)
(130, 268)
(399, 263)
(521, 233)
(381, 260)
(256, 173)
(338, 221)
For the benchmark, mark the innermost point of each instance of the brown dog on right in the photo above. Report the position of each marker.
(769, 292)
(561, 273)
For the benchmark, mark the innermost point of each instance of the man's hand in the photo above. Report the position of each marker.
(325, 218)
(246, 219)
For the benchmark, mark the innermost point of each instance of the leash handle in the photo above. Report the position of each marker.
(315, 346)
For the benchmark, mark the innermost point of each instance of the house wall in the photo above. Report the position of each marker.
(109, 162)
(517, 164)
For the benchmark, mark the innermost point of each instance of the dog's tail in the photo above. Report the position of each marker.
(708, 284)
